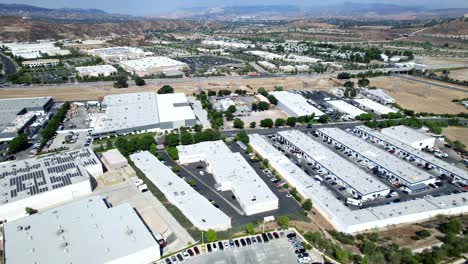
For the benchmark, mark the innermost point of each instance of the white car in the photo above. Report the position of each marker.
(185, 254)
(143, 188)
(137, 181)
(202, 173)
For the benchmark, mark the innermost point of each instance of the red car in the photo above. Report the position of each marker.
(276, 235)
(196, 250)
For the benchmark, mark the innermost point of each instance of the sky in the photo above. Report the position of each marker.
(155, 7)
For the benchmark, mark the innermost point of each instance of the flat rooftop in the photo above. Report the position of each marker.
(195, 207)
(379, 93)
(149, 63)
(85, 231)
(26, 178)
(344, 107)
(376, 107)
(361, 181)
(388, 161)
(296, 103)
(116, 51)
(405, 134)
(96, 69)
(29, 104)
(229, 169)
(424, 156)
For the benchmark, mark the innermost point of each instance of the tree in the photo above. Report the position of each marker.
(211, 235)
(186, 138)
(121, 82)
(262, 106)
(283, 222)
(280, 122)
(253, 124)
(344, 76)
(291, 121)
(243, 137)
(272, 99)
(172, 140)
(349, 84)
(109, 144)
(153, 149)
(30, 210)
(232, 109)
(363, 82)
(192, 182)
(175, 168)
(454, 226)
(229, 116)
(250, 229)
(262, 91)
(139, 81)
(238, 123)
(18, 144)
(323, 119)
(268, 122)
(173, 153)
(307, 205)
(211, 93)
(197, 127)
(166, 89)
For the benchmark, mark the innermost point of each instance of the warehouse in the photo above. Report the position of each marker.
(361, 185)
(410, 137)
(267, 65)
(388, 165)
(410, 153)
(17, 114)
(31, 51)
(40, 63)
(193, 205)
(346, 108)
(142, 112)
(114, 160)
(342, 217)
(233, 173)
(42, 182)
(96, 71)
(153, 65)
(380, 96)
(295, 104)
(116, 54)
(375, 107)
(84, 231)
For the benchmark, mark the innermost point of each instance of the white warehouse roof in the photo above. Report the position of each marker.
(344, 107)
(234, 173)
(97, 69)
(193, 205)
(408, 172)
(149, 63)
(85, 231)
(364, 183)
(295, 104)
(374, 106)
(405, 134)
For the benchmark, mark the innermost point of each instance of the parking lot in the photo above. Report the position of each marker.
(201, 64)
(70, 140)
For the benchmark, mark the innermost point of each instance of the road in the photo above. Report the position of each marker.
(9, 67)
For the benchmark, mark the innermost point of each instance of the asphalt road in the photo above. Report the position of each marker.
(8, 65)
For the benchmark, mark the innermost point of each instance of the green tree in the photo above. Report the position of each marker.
(153, 149)
(139, 81)
(211, 235)
(323, 119)
(30, 210)
(250, 229)
(232, 109)
(121, 82)
(291, 121)
(175, 168)
(253, 124)
(172, 140)
(280, 122)
(186, 138)
(18, 143)
(243, 137)
(307, 205)
(173, 153)
(283, 222)
(211, 93)
(262, 106)
(363, 82)
(262, 91)
(344, 76)
(268, 122)
(454, 226)
(197, 127)
(272, 99)
(192, 182)
(166, 89)
(349, 84)
(109, 144)
(238, 123)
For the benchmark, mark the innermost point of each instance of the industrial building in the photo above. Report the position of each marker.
(96, 71)
(42, 182)
(232, 173)
(40, 63)
(346, 108)
(84, 231)
(193, 205)
(410, 137)
(267, 65)
(295, 104)
(265, 55)
(31, 51)
(362, 185)
(375, 107)
(17, 114)
(380, 96)
(344, 218)
(227, 44)
(387, 164)
(114, 160)
(153, 65)
(142, 112)
(117, 54)
(410, 153)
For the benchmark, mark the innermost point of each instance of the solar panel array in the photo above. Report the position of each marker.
(34, 176)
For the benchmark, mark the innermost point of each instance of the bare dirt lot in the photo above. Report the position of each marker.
(461, 74)
(91, 91)
(421, 97)
(457, 133)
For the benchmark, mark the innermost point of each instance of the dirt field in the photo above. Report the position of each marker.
(420, 97)
(461, 74)
(92, 91)
(402, 237)
(457, 133)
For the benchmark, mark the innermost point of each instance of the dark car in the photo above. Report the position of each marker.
(236, 242)
(291, 236)
(174, 259)
(276, 235)
(440, 184)
(300, 251)
(208, 246)
(270, 236)
(265, 238)
(220, 245)
(197, 251)
(179, 257)
(243, 242)
(259, 239)
(190, 252)
(249, 242)
(168, 261)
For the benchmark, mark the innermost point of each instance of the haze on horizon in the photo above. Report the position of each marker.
(155, 7)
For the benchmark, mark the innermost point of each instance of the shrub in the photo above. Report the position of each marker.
(173, 153)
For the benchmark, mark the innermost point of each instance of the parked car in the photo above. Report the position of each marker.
(208, 246)
(259, 239)
(220, 245)
(190, 252)
(180, 258)
(270, 236)
(265, 238)
(231, 243)
(276, 235)
(236, 242)
(242, 241)
(249, 242)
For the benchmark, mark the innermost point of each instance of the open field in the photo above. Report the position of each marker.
(91, 91)
(461, 74)
(421, 97)
(457, 133)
